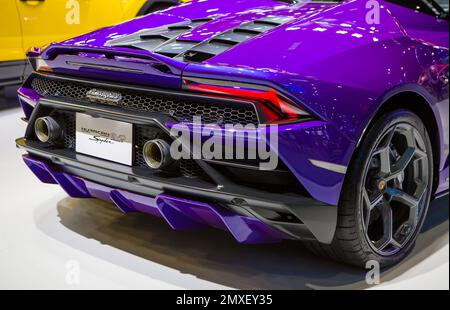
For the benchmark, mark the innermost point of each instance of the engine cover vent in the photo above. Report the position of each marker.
(163, 40)
(154, 39)
(226, 40)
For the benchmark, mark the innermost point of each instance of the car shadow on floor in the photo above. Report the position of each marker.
(214, 256)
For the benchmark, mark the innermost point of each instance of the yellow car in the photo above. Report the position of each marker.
(27, 23)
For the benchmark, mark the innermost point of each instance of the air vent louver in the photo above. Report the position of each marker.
(228, 39)
(256, 27)
(160, 40)
(175, 48)
(196, 56)
(164, 41)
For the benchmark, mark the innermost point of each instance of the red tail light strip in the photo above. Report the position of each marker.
(268, 96)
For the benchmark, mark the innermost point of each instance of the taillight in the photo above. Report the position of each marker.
(36, 60)
(276, 107)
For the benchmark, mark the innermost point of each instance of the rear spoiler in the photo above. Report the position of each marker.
(51, 52)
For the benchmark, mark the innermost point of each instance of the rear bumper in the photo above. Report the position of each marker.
(246, 214)
(300, 144)
(180, 214)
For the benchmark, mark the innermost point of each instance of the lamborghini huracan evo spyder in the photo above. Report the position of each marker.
(358, 89)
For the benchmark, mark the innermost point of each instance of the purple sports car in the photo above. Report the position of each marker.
(350, 96)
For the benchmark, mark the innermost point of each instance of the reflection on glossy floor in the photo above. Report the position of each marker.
(214, 256)
(44, 233)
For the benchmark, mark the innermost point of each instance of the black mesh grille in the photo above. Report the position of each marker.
(181, 109)
(69, 131)
(189, 168)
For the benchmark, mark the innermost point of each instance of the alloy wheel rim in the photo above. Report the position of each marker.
(395, 189)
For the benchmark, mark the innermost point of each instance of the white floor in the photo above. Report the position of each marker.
(48, 241)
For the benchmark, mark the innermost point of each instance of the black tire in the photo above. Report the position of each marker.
(350, 244)
(155, 6)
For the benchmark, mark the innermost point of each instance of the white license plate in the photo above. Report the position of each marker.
(104, 138)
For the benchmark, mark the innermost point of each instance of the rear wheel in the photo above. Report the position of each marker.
(386, 193)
